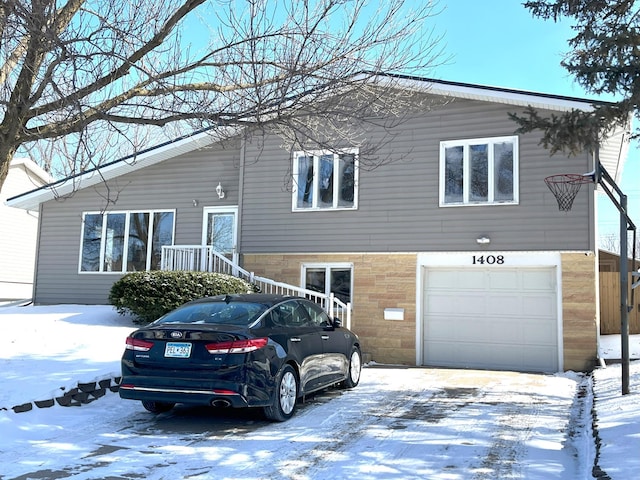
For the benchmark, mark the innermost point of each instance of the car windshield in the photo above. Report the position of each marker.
(219, 313)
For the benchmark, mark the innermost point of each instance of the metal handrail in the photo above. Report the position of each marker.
(203, 258)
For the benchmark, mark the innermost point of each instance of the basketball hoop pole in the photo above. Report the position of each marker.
(600, 177)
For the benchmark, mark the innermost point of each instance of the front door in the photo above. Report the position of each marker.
(219, 230)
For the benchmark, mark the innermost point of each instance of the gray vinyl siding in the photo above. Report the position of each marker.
(171, 185)
(399, 202)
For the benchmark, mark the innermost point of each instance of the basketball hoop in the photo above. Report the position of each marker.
(565, 187)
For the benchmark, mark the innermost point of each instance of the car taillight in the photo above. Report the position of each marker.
(237, 346)
(138, 345)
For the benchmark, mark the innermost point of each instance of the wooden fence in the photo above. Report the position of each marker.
(610, 305)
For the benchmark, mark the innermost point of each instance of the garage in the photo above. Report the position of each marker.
(490, 317)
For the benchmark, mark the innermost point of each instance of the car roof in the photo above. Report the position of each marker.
(262, 298)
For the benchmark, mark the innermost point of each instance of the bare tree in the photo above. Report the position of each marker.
(611, 243)
(81, 80)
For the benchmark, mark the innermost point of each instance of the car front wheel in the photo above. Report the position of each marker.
(284, 402)
(355, 368)
(157, 407)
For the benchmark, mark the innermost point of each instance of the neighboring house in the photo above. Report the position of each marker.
(453, 255)
(19, 231)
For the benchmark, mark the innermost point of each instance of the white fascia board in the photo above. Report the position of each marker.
(31, 200)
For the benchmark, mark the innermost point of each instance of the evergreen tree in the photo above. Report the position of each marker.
(604, 59)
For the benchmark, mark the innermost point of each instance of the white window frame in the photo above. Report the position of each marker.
(327, 266)
(232, 210)
(317, 154)
(466, 143)
(125, 248)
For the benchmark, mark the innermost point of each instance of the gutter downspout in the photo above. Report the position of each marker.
(241, 197)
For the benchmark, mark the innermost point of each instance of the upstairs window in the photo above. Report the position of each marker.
(124, 241)
(479, 171)
(325, 180)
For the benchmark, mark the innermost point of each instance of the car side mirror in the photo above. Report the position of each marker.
(337, 323)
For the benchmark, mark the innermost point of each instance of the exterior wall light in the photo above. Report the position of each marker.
(220, 191)
(483, 240)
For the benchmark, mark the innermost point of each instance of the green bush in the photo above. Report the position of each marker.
(149, 295)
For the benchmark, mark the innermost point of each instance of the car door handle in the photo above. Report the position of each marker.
(295, 339)
(325, 337)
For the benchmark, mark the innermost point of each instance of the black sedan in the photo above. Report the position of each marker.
(248, 350)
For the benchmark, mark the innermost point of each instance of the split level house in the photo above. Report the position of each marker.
(452, 253)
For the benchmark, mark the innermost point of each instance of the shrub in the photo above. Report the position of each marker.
(149, 295)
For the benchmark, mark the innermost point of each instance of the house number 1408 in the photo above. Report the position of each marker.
(488, 259)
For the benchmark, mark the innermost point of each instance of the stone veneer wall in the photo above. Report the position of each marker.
(389, 281)
(380, 281)
(579, 311)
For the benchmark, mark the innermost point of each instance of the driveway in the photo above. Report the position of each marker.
(399, 423)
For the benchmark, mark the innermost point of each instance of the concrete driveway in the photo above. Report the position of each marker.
(399, 423)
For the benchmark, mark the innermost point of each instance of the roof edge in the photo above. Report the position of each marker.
(150, 156)
(451, 88)
(30, 200)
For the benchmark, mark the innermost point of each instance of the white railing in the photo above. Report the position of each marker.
(199, 258)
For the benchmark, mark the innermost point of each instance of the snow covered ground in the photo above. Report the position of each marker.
(398, 423)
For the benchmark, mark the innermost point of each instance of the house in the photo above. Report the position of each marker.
(454, 254)
(19, 231)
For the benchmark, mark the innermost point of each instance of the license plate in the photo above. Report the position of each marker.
(177, 350)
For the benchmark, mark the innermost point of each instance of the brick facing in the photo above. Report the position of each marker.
(389, 281)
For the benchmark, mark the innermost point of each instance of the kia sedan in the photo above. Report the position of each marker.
(245, 350)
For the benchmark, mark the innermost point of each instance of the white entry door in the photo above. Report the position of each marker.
(219, 230)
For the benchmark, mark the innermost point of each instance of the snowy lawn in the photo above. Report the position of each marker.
(398, 423)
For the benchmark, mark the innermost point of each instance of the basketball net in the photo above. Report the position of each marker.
(565, 187)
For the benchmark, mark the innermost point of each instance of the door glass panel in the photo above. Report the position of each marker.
(220, 232)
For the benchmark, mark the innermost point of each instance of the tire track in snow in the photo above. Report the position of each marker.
(391, 412)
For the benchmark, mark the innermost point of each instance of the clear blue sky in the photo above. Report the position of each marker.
(499, 43)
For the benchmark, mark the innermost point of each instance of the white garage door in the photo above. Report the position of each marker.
(491, 318)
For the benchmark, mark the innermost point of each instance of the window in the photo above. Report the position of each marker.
(329, 278)
(479, 172)
(325, 180)
(318, 316)
(124, 241)
(290, 314)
